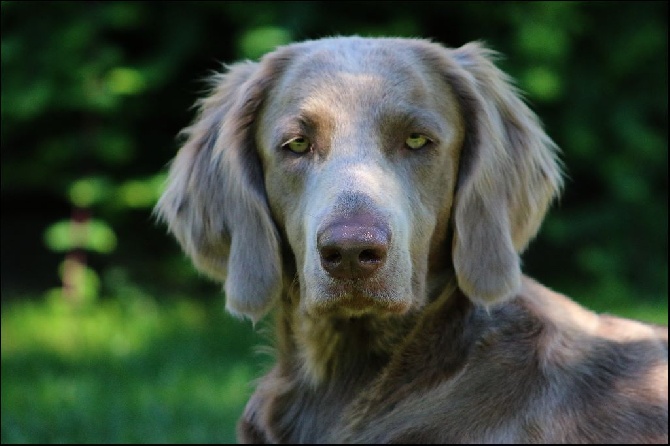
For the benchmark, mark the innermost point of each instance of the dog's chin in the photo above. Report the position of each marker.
(357, 298)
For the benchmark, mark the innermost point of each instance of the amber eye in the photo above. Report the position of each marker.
(416, 141)
(298, 145)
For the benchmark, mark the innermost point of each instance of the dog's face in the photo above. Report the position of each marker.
(381, 165)
(359, 147)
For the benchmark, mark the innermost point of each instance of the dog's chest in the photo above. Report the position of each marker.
(313, 416)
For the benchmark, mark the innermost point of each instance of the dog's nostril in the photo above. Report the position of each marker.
(331, 256)
(370, 256)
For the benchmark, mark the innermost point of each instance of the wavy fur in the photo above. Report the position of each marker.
(402, 314)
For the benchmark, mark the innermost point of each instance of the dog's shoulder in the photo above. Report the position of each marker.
(561, 316)
(599, 377)
(472, 371)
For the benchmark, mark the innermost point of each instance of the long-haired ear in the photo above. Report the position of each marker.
(509, 173)
(215, 202)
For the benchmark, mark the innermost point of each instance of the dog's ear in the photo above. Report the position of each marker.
(508, 174)
(215, 202)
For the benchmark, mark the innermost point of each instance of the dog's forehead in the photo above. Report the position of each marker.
(337, 70)
(354, 55)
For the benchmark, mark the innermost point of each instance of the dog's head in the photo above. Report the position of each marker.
(370, 169)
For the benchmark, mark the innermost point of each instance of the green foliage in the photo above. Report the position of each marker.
(66, 235)
(83, 284)
(258, 41)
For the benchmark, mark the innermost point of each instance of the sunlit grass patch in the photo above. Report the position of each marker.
(613, 297)
(131, 369)
(123, 370)
(650, 312)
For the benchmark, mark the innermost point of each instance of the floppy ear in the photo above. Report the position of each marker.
(215, 202)
(508, 175)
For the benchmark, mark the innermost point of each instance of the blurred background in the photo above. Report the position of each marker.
(108, 333)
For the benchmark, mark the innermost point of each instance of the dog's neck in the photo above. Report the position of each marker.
(336, 349)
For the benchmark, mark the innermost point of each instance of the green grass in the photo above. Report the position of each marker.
(130, 369)
(124, 371)
(614, 297)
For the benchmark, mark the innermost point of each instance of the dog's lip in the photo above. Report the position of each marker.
(358, 298)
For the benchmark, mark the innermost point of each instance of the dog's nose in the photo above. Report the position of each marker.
(352, 249)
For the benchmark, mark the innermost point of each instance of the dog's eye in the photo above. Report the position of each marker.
(416, 141)
(298, 145)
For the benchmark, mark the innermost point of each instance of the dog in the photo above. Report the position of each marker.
(377, 194)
